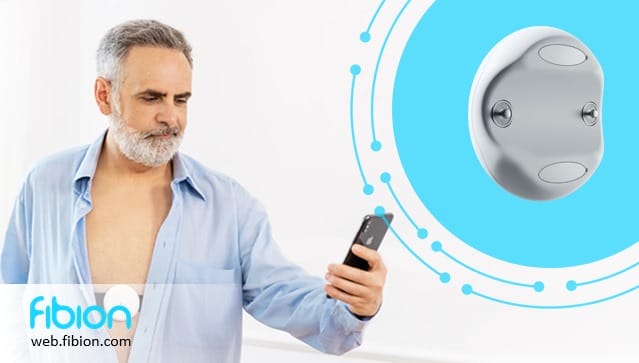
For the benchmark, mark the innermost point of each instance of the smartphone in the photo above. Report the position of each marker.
(370, 234)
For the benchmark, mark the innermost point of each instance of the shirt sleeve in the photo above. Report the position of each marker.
(14, 257)
(14, 269)
(282, 295)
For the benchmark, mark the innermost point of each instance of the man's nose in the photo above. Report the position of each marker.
(168, 114)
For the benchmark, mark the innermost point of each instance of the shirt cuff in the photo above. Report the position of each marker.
(350, 321)
(365, 318)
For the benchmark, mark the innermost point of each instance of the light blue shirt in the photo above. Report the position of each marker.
(213, 255)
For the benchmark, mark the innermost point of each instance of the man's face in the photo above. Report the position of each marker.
(149, 114)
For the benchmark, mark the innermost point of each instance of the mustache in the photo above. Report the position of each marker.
(174, 130)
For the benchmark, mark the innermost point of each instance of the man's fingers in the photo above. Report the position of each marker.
(347, 286)
(350, 273)
(368, 279)
(373, 257)
(340, 295)
(361, 290)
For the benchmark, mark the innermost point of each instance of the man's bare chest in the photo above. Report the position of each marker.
(121, 230)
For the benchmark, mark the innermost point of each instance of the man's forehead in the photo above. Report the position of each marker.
(160, 69)
(139, 53)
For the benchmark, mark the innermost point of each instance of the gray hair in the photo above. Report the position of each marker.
(117, 42)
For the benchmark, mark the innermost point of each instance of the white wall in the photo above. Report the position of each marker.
(270, 108)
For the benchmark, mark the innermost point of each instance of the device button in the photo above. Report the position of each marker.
(562, 55)
(562, 172)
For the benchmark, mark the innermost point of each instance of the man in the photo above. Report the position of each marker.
(130, 209)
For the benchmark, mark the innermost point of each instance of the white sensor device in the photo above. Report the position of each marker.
(534, 113)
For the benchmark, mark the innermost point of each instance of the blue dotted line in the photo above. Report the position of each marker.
(443, 276)
(365, 36)
(368, 189)
(376, 145)
(572, 284)
(385, 177)
(437, 247)
(468, 290)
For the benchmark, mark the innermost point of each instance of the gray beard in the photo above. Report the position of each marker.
(141, 147)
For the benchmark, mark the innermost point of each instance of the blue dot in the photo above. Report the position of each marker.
(355, 69)
(365, 37)
(538, 286)
(436, 246)
(444, 277)
(422, 233)
(385, 177)
(368, 189)
(571, 285)
(467, 289)
(376, 145)
(379, 211)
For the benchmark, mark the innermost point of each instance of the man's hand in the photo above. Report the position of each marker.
(361, 290)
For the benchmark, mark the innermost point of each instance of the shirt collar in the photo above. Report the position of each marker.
(181, 172)
(88, 164)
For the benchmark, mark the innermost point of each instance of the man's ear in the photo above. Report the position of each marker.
(102, 92)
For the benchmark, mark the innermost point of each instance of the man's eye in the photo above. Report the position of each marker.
(149, 99)
(181, 101)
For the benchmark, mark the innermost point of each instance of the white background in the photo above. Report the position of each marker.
(270, 108)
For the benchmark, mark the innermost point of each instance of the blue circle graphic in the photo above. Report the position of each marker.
(368, 189)
(376, 146)
(467, 289)
(430, 106)
(444, 277)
